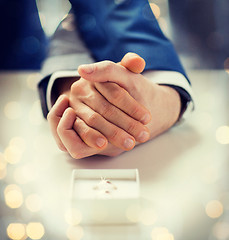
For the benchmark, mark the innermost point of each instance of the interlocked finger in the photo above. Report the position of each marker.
(54, 117)
(114, 134)
(72, 142)
(118, 117)
(120, 98)
(89, 135)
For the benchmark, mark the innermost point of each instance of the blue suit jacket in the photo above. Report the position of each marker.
(22, 43)
(109, 28)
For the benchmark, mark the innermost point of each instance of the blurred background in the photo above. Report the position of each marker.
(198, 29)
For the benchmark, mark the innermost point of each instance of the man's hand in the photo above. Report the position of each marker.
(66, 127)
(119, 119)
(162, 101)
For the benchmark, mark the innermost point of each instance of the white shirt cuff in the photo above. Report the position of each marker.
(53, 78)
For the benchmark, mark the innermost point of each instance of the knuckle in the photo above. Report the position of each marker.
(93, 119)
(134, 111)
(74, 86)
(114, 135)
(78, 124)
(108, 66)
(107, 110)
(78, 87)
(132, 126)
(117, 93)
(86, 133)
(134, 83)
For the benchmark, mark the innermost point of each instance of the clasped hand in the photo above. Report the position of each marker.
(108, 110)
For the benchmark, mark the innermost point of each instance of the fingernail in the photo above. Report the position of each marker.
(129, 143)
(100, 142)
(143, 136)
(146, 118)
(88, 68)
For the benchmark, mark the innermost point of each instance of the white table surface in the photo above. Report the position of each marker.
(181, 171)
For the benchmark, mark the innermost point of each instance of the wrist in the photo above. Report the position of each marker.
(166, 111)
(173, 102)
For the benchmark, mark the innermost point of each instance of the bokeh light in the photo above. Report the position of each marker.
(3, 173)
(75, 232)
(13, 154)
(3, 162)
(73, 216)
(148, 216)
(13, 196)
(133, 212)
(33, 203)
(13, 110)
(222, 135)
(161, 233)
(18, 142)
(35, 230)
(156, 10)
(16, 231)
(3, 166)
(25, 174)
(214, 209)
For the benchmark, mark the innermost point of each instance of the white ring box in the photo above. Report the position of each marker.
(103, 196)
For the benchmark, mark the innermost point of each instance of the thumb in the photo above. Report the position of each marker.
(133, 62)
(108, 71)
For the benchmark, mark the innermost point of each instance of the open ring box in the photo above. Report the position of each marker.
(104, 196)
